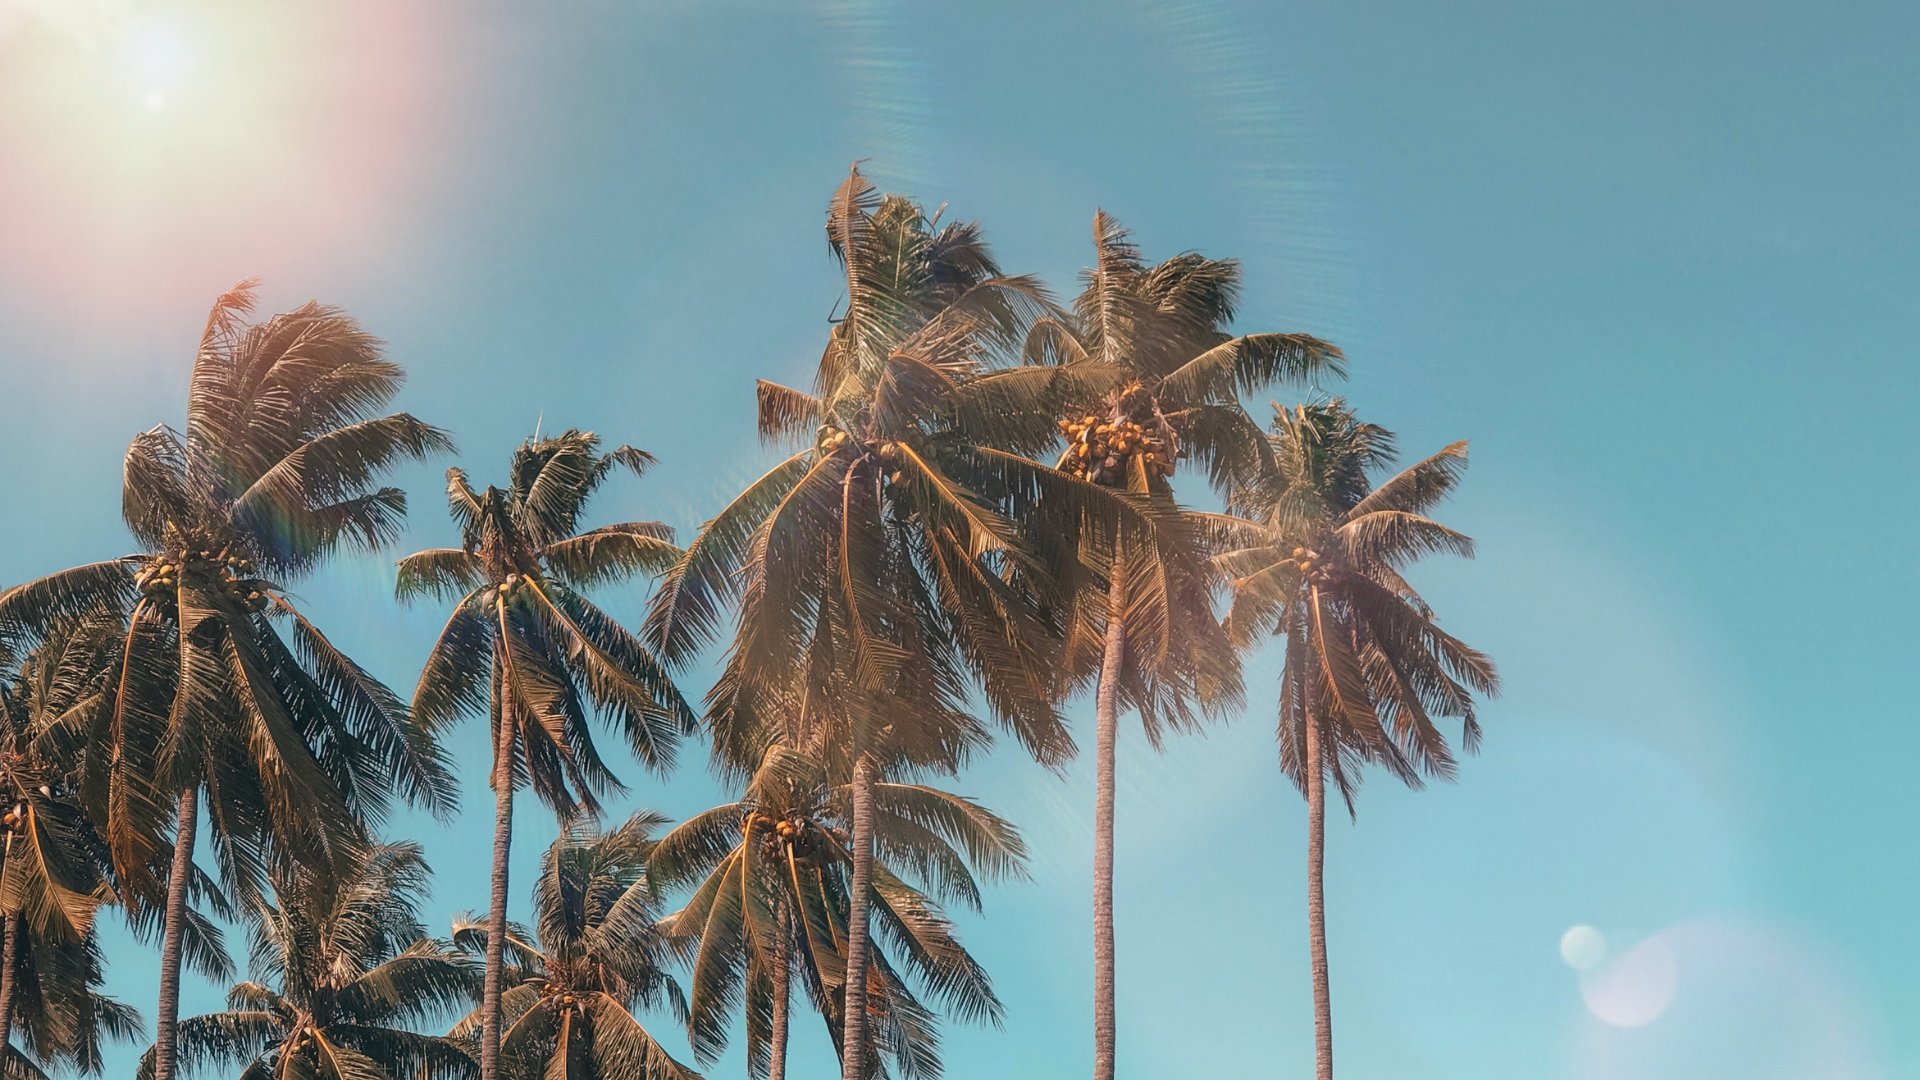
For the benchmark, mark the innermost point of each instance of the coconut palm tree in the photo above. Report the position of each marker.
(55, 873)
(61, 1016)
(1158, 379)
(1317, 557)
(525, 646)
(883, 571)
(343, 973)
(291, 742)
(770, 874)
(595, 955)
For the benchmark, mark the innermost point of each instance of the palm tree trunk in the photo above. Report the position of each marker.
(1316, 902)
(777, 1058)
(1106, 726)
(497, 899)
(853, 1053)
(167, 1013)
(9, 960)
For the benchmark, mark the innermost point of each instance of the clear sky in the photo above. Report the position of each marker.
(1656, 260)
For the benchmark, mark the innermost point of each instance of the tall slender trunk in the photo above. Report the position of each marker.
(1316, 902)
(179, 878)
(777, 1057)
(1106, 707)
(853, 1053)
(9, 960)
(497, 898)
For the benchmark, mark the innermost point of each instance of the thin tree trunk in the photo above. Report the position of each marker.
(777, 1057)
(167, 1013)
(1106, 726)
(853, 1054)
(1316, 902)
(9, 960)
(497, 899)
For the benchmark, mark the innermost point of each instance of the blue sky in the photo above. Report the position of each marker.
(1657, 261)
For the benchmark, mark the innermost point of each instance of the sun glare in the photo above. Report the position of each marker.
(142, 132)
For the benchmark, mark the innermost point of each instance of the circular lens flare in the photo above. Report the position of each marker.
(1760, 1002)
(1635, 988)
(1583, 948)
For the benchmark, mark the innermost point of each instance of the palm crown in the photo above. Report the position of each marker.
(1320, 562)
(525, 643)
(56, 872)
(899, 563)
(277, 468)
(770, 874)
(344, 972)
(594, 955)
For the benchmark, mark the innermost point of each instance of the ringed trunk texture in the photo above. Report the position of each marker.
(1106, 726)
(9, 959)
(1316, 902)
(777, 1057)
(167, 1012)
(497, 899)
(853, 1054)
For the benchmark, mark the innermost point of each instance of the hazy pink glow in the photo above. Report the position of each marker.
(1724, 997)
(1635, 988)
(161, 150)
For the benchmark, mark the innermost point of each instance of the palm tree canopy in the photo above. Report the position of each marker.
(594, 955)
(278, 467)
(903, 568)
(1316, 554)
(523, 634)
(774, 868)
(63, 1019)
(1155, 379)
(56, 872)
(1150, 341)
(343, 974)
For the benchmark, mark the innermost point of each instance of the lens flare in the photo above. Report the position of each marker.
(215, 138)
(1636, 988)
(1582, 948)
(1725, 997)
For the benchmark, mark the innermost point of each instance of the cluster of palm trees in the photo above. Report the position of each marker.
(974, 522)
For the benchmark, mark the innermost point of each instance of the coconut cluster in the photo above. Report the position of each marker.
(1102, 449)
(886, 451)
(777, 832)
(832, 439)
(514, 582)
(16, 818)
(1313, 565)
(221, 568)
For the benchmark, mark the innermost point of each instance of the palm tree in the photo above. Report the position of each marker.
(1159, 379)
(293, 744)
(881, 572)
(1317, 557)
(525, 645)
(343, 972)
(596, 955)
(770, 875)
(60, 1013)
(55, 873)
